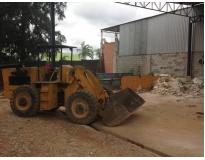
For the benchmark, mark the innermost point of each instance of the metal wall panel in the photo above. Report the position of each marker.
(143, 36)
(166, 33)
(177, 33)
(133, 38)
(124, 40)
(198, 32)
(122, 43)
(198, 37)
(158, 33)
(132, 35)
(127, 39)
(137, 37)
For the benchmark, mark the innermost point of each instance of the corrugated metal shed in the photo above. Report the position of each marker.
(131, 33)
(165, 33)
(198, 37)
(158, 34)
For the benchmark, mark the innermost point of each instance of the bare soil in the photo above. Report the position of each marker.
(51, 134)
(166, 125)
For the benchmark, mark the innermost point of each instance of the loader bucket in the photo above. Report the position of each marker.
(120, 106)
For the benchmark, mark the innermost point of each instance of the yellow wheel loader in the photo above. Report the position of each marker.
(34, 89)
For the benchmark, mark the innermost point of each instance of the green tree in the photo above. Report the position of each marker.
(65, 57)
(85, 50)
(97, 53)
(24, 25)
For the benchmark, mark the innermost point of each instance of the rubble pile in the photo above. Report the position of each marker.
(185, 87)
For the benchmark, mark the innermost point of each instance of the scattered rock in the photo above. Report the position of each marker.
(197, 81)
(187, 87)
(139, 88)
(62, 110)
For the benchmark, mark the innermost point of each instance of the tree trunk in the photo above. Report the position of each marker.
(1, 39)
(23, 36)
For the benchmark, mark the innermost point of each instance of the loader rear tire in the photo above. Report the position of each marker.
(108, 90)
(82, 107)
(24, 101)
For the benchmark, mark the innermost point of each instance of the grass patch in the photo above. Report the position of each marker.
(66, 56)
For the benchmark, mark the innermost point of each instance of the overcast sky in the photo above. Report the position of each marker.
(84, 21)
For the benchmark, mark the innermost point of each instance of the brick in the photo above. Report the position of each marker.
(108, 50)
(170, 61)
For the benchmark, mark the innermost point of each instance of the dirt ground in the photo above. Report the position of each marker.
(50, 134)
(166, 125)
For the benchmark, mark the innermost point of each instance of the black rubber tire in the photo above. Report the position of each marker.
(85, 100)
(108, 90)
(31, 100)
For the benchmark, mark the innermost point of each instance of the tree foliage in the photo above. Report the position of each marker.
(85, 50)
(24, 25)
(97, 53)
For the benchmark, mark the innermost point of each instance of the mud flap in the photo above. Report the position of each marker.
(120, 106)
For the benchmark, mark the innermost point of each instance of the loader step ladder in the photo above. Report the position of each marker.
(48, 96)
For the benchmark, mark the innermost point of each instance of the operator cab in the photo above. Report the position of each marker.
(51, 70)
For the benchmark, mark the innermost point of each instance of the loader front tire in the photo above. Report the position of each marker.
(82, 107)
(24, 101)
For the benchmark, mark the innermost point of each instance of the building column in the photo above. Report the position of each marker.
(189, 57)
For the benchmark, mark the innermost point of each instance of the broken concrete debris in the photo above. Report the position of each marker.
(185, 86)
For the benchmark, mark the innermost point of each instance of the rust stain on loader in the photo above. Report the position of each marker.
(120, 106)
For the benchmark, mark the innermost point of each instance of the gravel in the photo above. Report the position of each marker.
(50, 134)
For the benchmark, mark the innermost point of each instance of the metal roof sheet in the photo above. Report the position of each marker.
(117, 27)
